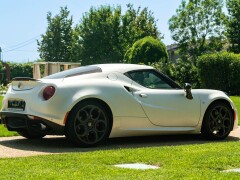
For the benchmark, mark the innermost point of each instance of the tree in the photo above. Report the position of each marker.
(137, 24)
(233, 25)
(198, 27)
(147, 50)
(99, 30)
(107, 34)
(57, 43)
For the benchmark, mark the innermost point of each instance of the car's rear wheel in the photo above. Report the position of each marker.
(88, 124)
(31, 135)
(218, 121)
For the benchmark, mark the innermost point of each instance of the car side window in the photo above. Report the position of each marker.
(149, 79)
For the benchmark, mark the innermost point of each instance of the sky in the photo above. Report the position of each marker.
(23, 21)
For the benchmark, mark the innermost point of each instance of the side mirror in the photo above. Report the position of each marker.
(187, 89)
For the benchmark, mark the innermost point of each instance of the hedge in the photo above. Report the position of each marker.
(220, 71)
(18, 70)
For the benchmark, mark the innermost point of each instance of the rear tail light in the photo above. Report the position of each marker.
(48, 92)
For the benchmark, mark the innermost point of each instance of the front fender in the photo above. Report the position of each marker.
(207, 97)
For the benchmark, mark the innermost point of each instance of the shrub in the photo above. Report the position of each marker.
(165, 67)
(21, 70)
(185, 71)
(146, 50)
(18, 70)
(220, 71)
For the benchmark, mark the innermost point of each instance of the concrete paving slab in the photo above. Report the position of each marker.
(136, 166)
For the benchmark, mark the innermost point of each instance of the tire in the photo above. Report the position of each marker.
(31, 135)
(88, 125)
(218, 121)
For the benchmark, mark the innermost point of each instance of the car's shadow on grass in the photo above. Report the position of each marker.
(55, 144)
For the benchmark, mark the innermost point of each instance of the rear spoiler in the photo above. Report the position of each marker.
(24, 79)
(24, 83)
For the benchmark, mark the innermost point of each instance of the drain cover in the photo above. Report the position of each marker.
(136, 166)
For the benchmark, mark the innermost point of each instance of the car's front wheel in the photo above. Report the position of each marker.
(88, 124)
(218, 121)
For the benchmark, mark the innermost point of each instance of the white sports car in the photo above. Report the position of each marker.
(91, 103)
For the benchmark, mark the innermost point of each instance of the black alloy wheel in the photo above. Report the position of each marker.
(218, 121)
(88, 124)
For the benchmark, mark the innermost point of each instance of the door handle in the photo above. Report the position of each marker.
(143, 95)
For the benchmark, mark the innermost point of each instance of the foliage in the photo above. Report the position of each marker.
(166, 67)
(220, 71)
(21, 70)
(99, 29)
(137, 24)
(2, 73)
(233, 25)
(107, 33)
(3, 89)
(18, 70)
(146, 50)
(60, 41)
(103, 35)
(198, 27)
(185, 71)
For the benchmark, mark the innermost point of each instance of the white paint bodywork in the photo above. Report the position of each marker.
(155, 112)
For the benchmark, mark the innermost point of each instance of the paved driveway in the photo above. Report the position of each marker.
(19, 146)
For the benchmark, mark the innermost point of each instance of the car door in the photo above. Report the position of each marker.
(163, 104)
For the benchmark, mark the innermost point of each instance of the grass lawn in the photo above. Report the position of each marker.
(236, 101)
(201, 161)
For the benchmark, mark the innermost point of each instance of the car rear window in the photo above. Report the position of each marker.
(75, 72)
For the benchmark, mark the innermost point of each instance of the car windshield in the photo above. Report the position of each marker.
(75, 72)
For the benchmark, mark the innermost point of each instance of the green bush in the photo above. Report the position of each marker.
(165, 67)
(146, 50)
(220, 71)
(21, 70)
(18, 70)
(185, 71)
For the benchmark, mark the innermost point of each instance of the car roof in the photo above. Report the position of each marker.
(122, 68)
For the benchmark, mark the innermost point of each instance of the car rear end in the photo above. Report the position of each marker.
(27, 106)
